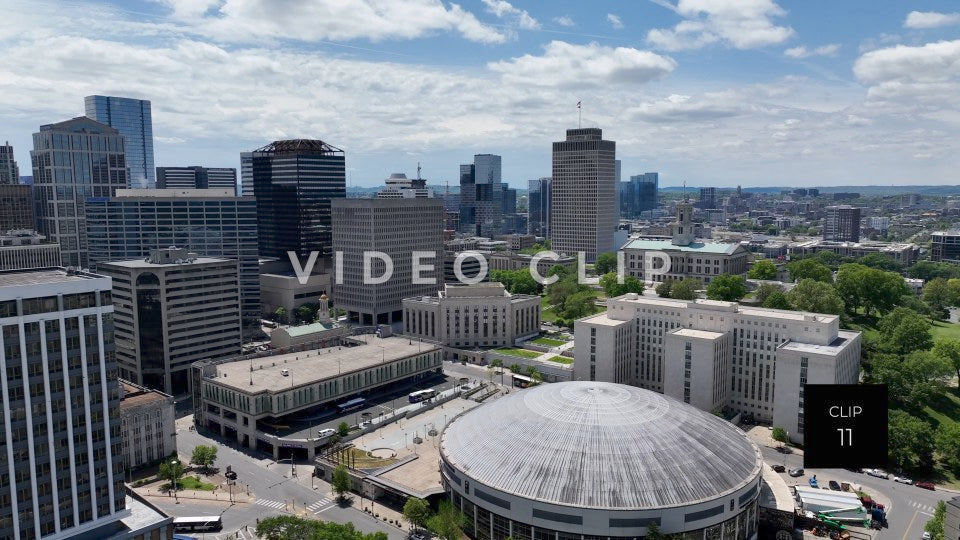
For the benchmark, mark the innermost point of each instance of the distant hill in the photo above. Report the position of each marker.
(863, 190)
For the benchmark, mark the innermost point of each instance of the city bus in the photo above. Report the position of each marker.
(422, 395)
(197, 524)
(351, 405)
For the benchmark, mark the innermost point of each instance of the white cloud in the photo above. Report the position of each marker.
(564, 21)
(504, 10)
(742, 24)
(932, 62)
(567, 64)
(930, 19)
(803, 52)
(240, 21)
(684, 108)
(614, 21)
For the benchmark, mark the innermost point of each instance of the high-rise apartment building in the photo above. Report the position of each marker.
(399, 228)
(842, 223)
(133, 119)
(16, 207)
(717, 355)
(62, 466)
(209, 222)
(582, 202)
(538, 207)
(196, 177)
(294, 182)
(246, 174)
(9, 172)
(945, 246)
(172, 309)
(73, 161)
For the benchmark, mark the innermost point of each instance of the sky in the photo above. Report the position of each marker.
(707, 92)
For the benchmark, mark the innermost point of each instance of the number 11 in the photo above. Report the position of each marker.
(848, 440)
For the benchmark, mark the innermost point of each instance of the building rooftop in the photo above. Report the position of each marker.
(698, 334)
(311, 366)
(43, 276)
(600, 445)
(667, 245)
(844, 338)
(300, 145)
(145, 263)
(135, 395)
(307, 329)
(210, 193)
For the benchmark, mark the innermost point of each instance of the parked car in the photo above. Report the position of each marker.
(926, 535)
(879, 473)
(925, 485)
(795, 472)
(903, 480)
(784, 449)
(779, 468)
(326, 432)
(834, 485)
(417, 536)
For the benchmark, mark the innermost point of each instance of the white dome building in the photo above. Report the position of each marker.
(593, 460)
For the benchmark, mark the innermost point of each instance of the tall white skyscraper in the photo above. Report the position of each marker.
(582, 194)
(133, 119)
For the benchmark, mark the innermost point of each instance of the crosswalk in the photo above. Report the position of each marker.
(242, 534)
(925, 508)
(318, 506)
(271, 504)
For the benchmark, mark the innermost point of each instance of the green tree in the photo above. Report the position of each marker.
(947, 443)
(765, 290)
(343, 429)
(305, 313)
(937, 293)
(872, 289)
(280, 314)
(606, 262)
(727, 287)
(935, 525)
(763, 269)
(949, 349)
(498, 363)
(340, 482)
(809, 269)
(928, 270)
(448, 523)
(172, 470)
(905, 331)
(663, 289)
(777, 300)
(881, 261)
(815, 296)
(516, 281)
(515, 368)
(204, 456)
(292, 527)
(685, 289)
(779, 434)
(579, 304)
(914, 381)
(611, 287)
(909, 441)
(417, 512)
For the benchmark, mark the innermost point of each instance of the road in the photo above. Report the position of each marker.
(910, 507)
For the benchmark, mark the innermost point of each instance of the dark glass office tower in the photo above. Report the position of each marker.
(538, 207)
(468, 199)
(134, 120)
(294, 182)
(9, 172)
(196, 177)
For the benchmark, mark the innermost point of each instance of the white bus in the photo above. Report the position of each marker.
(197, 524)
(422, 395)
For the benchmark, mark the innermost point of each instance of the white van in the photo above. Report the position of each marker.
(326, 432)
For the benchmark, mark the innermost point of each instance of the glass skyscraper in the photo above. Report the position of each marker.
(73, 161)
(481, 196)
(9, 173)
(132, 117)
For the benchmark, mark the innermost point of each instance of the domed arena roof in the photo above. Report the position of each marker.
(600, 445)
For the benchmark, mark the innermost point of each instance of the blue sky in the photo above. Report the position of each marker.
(711, 92)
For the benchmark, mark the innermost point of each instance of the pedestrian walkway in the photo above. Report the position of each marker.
(923, 508)
(318, 506)
(242, 534)
(271, 504)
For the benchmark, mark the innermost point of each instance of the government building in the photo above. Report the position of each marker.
(595, 460)
(718, 355)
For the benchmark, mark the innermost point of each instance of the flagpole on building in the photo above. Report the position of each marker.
(579, 116)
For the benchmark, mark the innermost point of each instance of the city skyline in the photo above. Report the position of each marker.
(705, 95)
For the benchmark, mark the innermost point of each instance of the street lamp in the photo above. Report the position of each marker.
(174, 463)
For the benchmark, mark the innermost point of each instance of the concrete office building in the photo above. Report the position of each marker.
(146, 425)
(842, 223)
(945, 246)
(133, 119)
(294, 183)
(903, 253)
(538, 207)
(209, 222)
(172, 309)
(26, 250)
(285, 290)
(9, 172)
(246, 174)
(688, 258)
(470, 316)
(248, 406)
(582, 194)
(717, 355)
(591, 460)
(398, 186)
(16, 207)
(61, 427)
(73, 161)
(398, 228)
(197, 177)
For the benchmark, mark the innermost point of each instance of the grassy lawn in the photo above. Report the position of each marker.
(522, 353)
(945, 330)
(546, 311)
(191, 482)
(362, 459)
(561, 359)
(548, 342)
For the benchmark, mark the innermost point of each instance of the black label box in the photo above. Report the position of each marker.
(845, 426)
